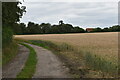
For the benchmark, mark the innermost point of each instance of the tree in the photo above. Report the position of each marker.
(115, 28)
(55, 29)
(11, 14)
(20, 29)
(106, 29)
(46, 28)
(17, 29)
(97, 29)
(61, 22)
(77, 29)
(66, 28)
(33, 28)
(23, 28)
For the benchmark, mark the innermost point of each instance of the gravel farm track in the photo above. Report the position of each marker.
(11, 69)
(48, 64)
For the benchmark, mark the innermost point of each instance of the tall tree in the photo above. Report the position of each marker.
(98, 29)
(20, 29)
(11, 14)
(115, 28)
(77, 29)
(46, 28)
(61, 22)
(34, 28)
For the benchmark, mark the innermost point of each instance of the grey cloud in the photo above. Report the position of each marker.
(81, 14)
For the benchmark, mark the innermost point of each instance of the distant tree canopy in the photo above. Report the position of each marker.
(47, 28)
(114, 28)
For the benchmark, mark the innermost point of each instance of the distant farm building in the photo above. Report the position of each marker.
(89, 29)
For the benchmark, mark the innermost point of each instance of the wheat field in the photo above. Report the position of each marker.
(104, 45)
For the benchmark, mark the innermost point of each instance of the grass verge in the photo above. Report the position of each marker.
(73, 60)
(30, 65)
(9, 52)
(97, 63)
(80, 64)
(66, 54)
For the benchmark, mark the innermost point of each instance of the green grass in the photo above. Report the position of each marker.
(30, 65)
(98, 63)
(9, 52)
(72, 59)
(50, 45)
(59, 50)
(94, 62)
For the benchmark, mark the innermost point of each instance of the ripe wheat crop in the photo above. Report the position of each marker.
(102, 44)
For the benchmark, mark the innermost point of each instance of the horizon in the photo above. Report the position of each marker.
(77, 14)
(71, 24)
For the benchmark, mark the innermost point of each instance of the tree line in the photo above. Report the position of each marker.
(47, 28)
(115, 28)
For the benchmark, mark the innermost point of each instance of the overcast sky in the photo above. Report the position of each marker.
(83, 14)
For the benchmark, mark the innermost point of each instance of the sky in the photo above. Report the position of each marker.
(84, 14)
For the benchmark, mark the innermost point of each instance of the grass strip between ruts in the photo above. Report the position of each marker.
(30, 65)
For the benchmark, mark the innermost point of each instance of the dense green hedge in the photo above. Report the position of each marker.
(7, 35)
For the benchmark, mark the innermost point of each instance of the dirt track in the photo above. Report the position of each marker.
(48, 65)
(15, 66)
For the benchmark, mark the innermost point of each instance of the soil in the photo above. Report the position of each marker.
(15, 66)
(48, 65)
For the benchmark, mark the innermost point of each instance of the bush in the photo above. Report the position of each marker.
(7, 36)
(9, 52)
